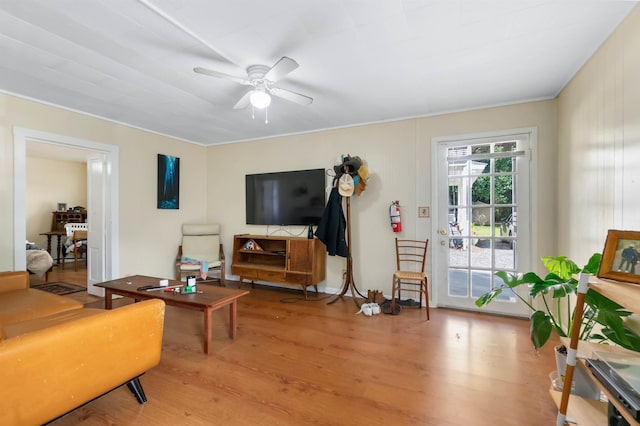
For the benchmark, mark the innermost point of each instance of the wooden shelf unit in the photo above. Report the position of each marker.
(587, 411)
(59, 219)
(283, 260)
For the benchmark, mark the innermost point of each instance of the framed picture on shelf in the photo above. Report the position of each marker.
(62, 207)
(621, 256)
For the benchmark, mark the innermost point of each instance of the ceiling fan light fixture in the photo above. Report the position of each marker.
(260, 99)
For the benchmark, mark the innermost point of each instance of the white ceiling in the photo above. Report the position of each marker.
(361, 61)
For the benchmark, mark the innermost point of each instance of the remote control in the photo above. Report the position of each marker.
(145, 287)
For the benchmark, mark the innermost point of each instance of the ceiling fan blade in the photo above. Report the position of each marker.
(283, 67)
(244, 100)
(219, 74)
(291, 96)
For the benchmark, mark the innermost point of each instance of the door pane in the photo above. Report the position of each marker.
(482, 253)
(480, 283)
(480, 149)
(504, 165)
(458, 257)
(503, 191)
(480, 167)
(458, 279)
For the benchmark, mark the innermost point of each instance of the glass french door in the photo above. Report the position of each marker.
(483, 219)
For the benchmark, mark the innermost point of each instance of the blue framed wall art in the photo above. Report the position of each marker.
(168, 182)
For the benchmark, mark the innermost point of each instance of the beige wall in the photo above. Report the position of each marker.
(399, 158)
(148, 237)
(599, 145)
(50, 182)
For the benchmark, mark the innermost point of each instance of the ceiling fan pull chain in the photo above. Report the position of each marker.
(266, 115)
(253, 112)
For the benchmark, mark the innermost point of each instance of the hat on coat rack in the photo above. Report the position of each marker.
(363, 175)
(345, 185)
(348, 163)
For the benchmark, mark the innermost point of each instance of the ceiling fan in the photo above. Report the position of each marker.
(261, 78)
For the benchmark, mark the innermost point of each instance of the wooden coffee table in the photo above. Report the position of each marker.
(209, 300)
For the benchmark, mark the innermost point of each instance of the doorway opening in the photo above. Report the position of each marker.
(102, 188)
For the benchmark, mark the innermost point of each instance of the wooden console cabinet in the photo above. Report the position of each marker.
(284, 260)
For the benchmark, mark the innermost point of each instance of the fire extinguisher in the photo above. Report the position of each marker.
(394, 215)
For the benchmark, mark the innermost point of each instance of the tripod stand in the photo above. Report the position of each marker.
(349, 283)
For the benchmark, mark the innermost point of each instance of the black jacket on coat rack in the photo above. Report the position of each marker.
(331, 229)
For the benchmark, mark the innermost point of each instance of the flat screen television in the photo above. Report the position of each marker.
(285, 198)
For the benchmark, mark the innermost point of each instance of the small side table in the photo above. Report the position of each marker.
(58, 234)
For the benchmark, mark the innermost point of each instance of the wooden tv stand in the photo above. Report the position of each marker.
(284, 260)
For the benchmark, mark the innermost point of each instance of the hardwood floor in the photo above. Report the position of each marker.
(297, 363)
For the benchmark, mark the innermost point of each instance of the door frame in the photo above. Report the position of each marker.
(437, 220)
(110, 206)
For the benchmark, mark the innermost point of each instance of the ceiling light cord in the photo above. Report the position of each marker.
(266, 114)
(260, 99)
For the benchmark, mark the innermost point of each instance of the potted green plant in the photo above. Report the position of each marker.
(550, 302)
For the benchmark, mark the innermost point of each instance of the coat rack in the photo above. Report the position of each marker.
(349, 283)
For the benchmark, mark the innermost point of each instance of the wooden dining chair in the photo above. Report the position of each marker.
(79, 236)
(76, 233)
(411, 256)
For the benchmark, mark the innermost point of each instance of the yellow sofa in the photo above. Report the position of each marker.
(19, 303)
(53, 363)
